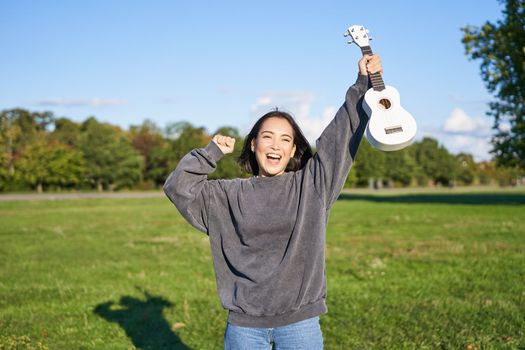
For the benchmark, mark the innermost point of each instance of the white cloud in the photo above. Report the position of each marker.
(312, 127)
(460, 122)
(298, 104)
(504, 126)
(461, 133)
(94, 102)
(479, 147)
(262, 102)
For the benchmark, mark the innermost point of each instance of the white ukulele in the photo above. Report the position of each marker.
(390, 127)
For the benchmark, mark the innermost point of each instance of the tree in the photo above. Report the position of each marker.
(159, 163)
(43, 163)
(468, 170)
(4, 173)
(400, 167)
(66, 132)
(185, 137)
(487, 172)
(127, 164)
(31, 124)
(435, 161)
(145, 137)
(148, 141)
(10, 133)
(369, 165)
(18, 129)
(111, 160)
(501, 49)
(351, 179)
(42, 120)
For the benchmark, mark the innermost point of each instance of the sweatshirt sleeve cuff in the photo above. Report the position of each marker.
(362, 83)
(214, 151)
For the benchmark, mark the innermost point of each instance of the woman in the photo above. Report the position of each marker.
(267, 232)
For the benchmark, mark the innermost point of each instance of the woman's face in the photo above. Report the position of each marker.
(273, 146)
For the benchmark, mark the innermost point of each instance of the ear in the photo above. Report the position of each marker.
(252, 145)
(293, 150)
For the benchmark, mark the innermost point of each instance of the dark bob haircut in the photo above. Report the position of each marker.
(303, 152)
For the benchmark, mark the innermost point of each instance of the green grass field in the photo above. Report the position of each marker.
(405, 271)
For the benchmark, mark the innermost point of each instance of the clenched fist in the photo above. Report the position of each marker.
(370, 64)
(225, 143)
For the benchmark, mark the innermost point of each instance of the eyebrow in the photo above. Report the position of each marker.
(271, 132)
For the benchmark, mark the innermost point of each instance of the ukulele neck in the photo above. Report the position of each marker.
(375, 78)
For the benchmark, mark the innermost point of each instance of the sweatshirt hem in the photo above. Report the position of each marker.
(305, 312)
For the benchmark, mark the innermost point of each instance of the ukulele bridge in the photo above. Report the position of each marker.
(394, 129)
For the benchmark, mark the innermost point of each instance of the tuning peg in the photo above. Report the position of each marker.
(350, 41)
(346, 33)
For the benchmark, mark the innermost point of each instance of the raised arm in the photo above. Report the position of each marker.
(339, 142)
(187, 186)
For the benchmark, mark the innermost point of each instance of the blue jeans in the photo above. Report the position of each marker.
(304, 334)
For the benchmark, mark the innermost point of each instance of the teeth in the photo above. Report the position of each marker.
(273, 155)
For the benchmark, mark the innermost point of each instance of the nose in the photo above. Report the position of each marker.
(275, 145)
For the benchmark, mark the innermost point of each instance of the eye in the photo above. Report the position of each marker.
(286, 140)
(266, 136)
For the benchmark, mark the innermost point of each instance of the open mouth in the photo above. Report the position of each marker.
(273, 158)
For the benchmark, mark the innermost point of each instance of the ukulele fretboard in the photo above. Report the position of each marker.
(375, 78)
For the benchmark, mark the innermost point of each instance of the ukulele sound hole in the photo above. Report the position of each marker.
(384, 103)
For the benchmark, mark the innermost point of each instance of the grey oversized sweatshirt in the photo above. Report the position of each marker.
(267, 234)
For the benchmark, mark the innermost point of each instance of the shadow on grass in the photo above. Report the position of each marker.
(143, 321)
(456, 198)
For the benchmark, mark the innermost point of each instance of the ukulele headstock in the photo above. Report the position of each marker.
(359, 35)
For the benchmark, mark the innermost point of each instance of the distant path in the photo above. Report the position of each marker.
(436, 189)
(79, 195)
(156, 194)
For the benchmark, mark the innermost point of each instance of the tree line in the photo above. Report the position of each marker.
(500, 48)
(42, 152)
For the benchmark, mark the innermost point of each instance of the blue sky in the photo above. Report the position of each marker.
(225, 63)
